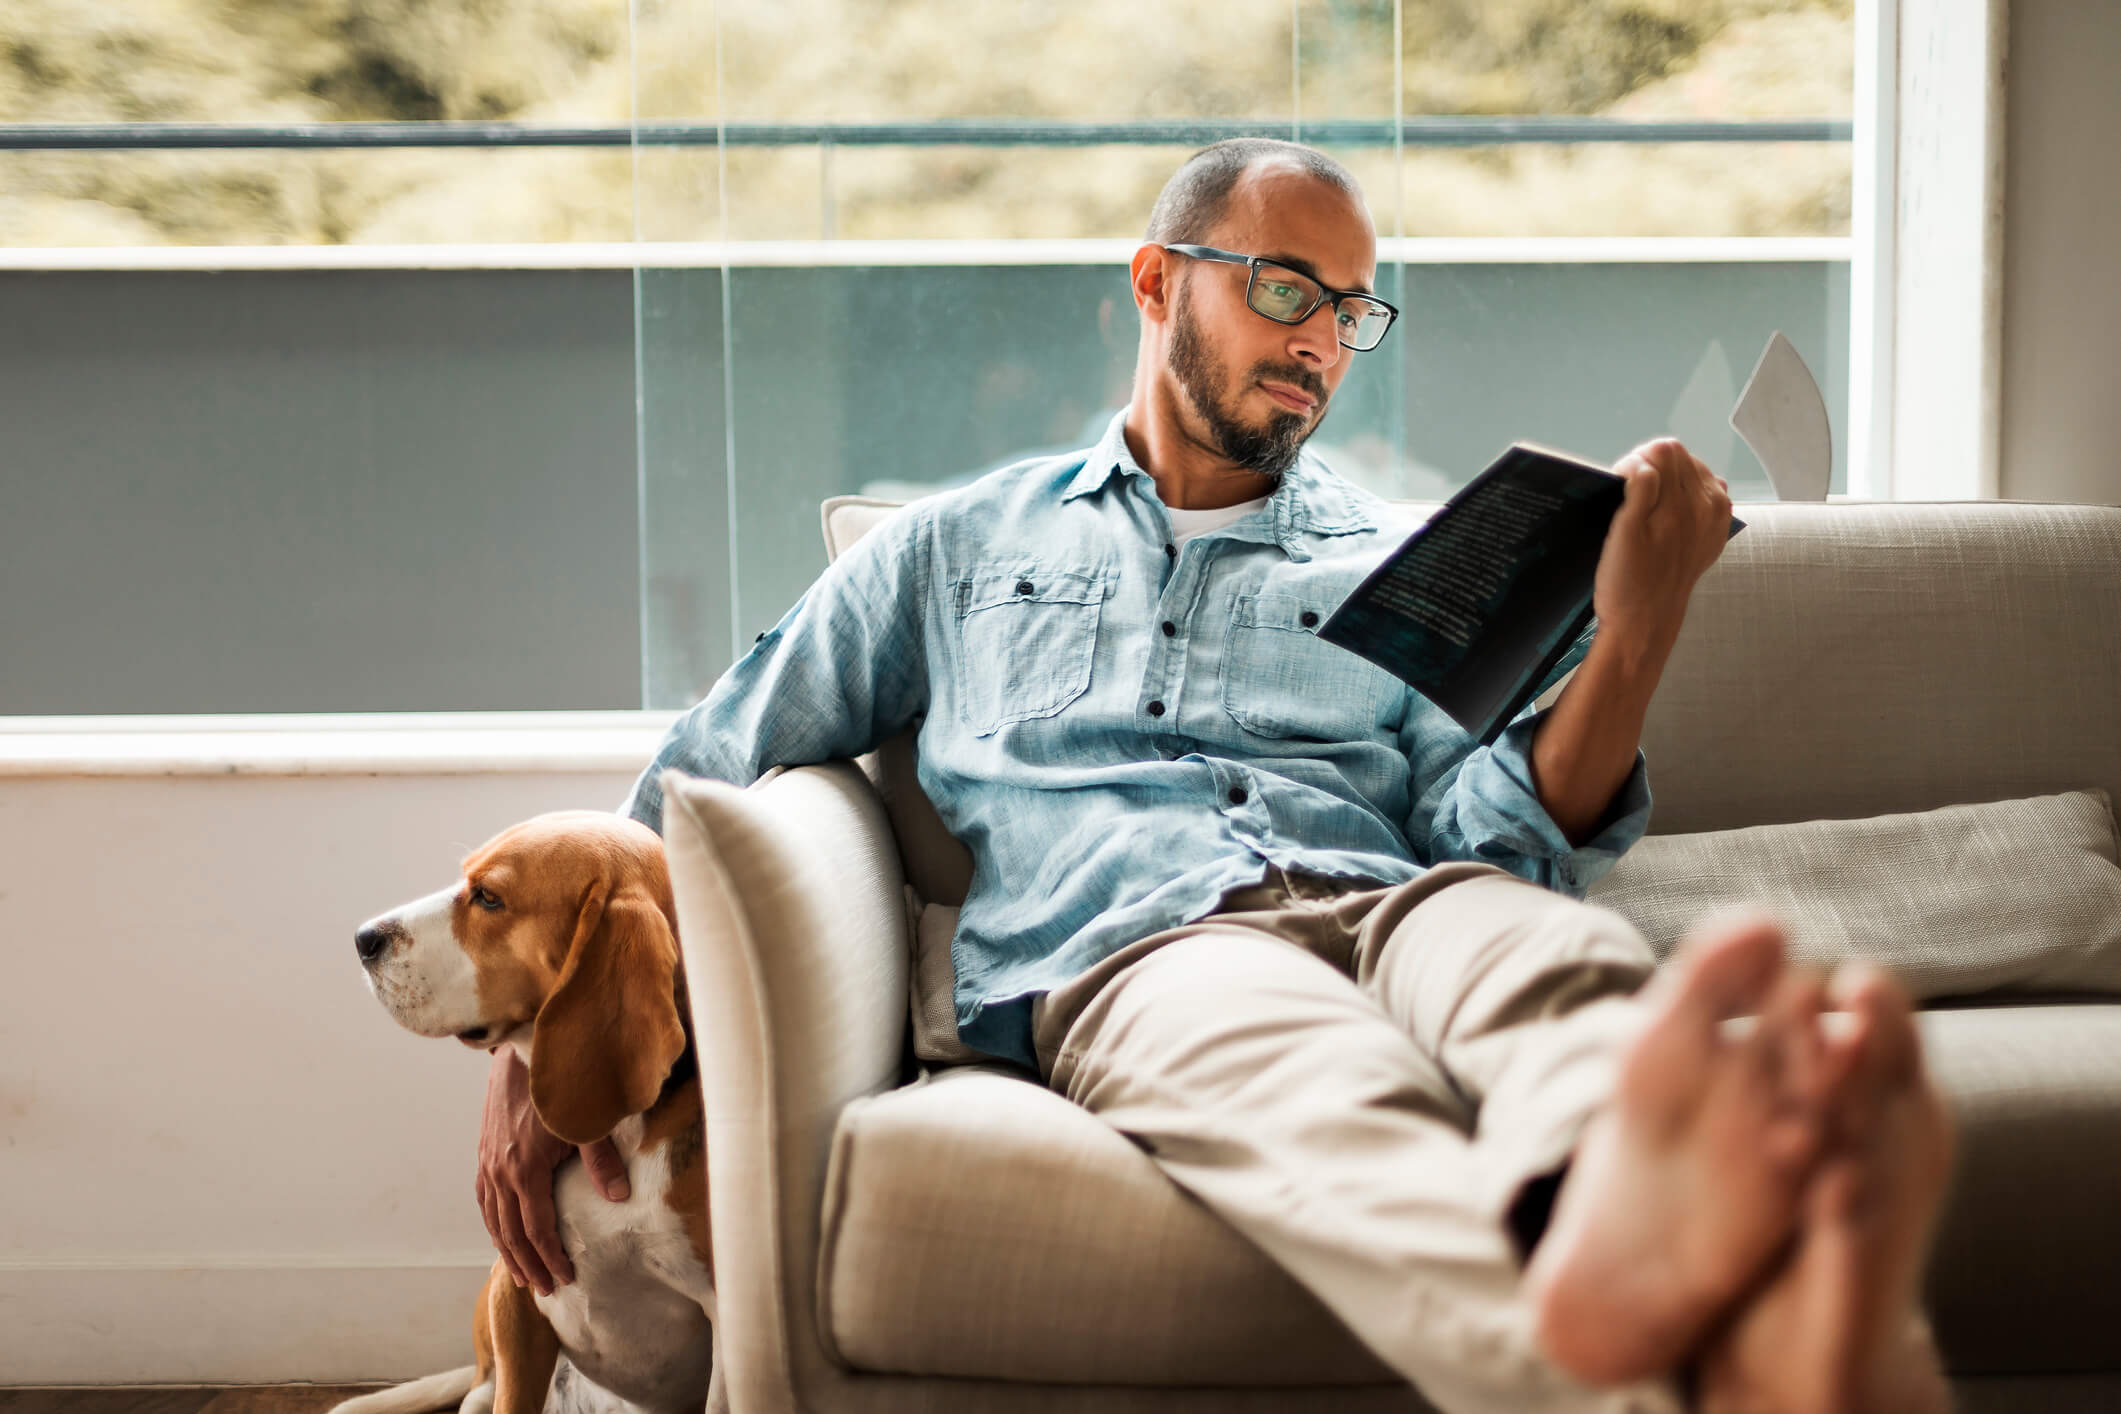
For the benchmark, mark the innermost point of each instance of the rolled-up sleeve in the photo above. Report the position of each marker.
(844, 669)
(1483, 806)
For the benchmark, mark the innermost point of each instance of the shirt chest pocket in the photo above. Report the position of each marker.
(1028, 635)
(1279, 679)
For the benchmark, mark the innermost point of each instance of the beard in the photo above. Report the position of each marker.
(1267, 451)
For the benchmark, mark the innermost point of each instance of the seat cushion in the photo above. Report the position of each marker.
(2023, 1277)
(2005, 895)
(979, 1225)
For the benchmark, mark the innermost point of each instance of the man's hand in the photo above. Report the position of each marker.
(517, 1155)
(1670, 528)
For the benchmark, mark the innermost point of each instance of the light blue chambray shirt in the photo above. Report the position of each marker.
(1121, 732)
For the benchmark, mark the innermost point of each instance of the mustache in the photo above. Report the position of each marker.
(1293, 374)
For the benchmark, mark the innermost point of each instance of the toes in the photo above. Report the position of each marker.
(1886, 1049)
(1784, 1064)
(1718, 973)
(1726, 967)
(1880, 997)
(1789, 1041)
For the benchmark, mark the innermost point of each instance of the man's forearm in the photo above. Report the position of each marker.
(1585, 745)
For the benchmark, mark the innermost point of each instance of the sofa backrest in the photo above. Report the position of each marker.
(1839, 661)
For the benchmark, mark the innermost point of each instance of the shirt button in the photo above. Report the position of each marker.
(1025, 586)
(1156, 709)
(1309, 619)
(1171, 550)
(1169, 628)
(1237, 795)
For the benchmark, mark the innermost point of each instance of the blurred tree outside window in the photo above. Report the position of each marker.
(597, 63)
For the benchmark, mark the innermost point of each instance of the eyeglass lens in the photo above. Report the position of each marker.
(1289, 296)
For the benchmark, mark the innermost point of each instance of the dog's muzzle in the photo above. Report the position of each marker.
(375, 940)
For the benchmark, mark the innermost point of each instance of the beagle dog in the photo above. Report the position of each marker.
(560, 940)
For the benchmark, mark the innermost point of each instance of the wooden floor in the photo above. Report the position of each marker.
(180, 1399)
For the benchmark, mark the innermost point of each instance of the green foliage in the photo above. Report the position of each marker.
(866, 60)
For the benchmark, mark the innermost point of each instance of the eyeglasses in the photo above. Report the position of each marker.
(1290, 297)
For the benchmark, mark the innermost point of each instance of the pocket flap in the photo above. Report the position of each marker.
(1029, 583)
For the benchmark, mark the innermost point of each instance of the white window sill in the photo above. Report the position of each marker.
(417, 744)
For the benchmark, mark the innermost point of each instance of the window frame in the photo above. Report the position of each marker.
(1925, 325)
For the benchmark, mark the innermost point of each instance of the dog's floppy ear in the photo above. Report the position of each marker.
(609, 1033)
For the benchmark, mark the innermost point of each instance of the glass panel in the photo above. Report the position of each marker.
(921, 259)
(1345, 80)
(687, 542)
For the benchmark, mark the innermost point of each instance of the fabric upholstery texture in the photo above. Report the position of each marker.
(978, 1224)
(2022, 1278)
(2008, 895)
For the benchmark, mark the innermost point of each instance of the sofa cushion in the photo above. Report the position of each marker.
(979, 1225)
(2010, 895)
(2022, 1276)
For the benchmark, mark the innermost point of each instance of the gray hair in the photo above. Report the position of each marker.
(1199, 191)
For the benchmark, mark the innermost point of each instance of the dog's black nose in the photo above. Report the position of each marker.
(370, 943)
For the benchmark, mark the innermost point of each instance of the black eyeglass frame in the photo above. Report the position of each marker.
(1334, 297)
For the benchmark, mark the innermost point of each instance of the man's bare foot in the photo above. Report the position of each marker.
(1838, 1328)
(1686, 1186)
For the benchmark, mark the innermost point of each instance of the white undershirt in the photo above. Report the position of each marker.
(1187, 524)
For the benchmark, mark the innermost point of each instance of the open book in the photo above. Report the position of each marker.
(1489, 604)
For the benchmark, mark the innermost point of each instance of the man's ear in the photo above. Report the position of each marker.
(1150, 275)
(608, 1035)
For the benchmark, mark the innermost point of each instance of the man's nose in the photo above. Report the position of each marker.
(1317, 339)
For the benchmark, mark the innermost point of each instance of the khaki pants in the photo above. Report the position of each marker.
(1362, 1080)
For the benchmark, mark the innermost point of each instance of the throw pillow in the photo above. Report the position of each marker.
(2006, 896)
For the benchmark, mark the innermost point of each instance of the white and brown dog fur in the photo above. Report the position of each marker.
(560, 940)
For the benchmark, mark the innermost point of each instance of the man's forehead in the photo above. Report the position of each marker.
(1279, 210)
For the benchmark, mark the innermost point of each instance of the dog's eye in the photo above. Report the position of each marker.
(488, 901)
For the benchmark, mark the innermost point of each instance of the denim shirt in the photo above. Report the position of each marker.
(1120, 731)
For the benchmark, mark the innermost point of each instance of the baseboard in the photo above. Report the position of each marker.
(110, 1324)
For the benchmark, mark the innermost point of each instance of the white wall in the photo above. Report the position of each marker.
(219, 1159)
(2062, 253)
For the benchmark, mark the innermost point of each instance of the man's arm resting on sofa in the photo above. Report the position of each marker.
(1586, 743)
(1673, 523)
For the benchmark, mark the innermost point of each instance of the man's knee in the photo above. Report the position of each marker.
(1220, 1013)
(1520, 916)
(1496, 951)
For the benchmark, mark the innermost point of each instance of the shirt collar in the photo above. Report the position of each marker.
(1311, 500)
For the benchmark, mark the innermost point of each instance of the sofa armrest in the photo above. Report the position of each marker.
(792, 921)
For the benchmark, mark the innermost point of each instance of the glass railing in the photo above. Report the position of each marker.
(840, 292)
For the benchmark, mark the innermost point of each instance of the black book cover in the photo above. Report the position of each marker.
(1489, 604)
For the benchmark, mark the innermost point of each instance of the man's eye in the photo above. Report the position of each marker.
(1281, 291)
(486, 900)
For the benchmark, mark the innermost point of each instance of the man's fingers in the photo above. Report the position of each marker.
(543, 1230)
(493, 1228)
(607, 1170)
(516, 1248)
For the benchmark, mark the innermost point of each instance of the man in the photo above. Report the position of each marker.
(1269, 913)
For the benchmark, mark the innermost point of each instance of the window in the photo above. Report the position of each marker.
(879, 249)
(1594, 215)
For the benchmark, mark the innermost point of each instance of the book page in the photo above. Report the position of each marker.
(1457, 573)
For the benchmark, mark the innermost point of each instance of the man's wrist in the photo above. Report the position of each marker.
(1634, 648)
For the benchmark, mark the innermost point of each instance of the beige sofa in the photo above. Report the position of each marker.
(963, 1240)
